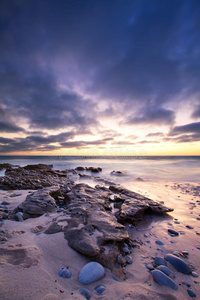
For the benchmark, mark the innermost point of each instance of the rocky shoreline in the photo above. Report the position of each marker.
(95, 216)
(96, 222)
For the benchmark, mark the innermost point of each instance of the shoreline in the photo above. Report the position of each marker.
(37, 257)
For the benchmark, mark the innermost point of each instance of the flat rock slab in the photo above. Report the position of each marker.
(39, 202)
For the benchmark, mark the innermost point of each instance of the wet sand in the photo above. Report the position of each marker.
(30, 260)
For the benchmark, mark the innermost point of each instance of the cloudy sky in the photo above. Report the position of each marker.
(100, 77)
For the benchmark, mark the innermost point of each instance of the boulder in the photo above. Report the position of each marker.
(40, 202)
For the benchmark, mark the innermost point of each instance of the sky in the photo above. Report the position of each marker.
(99, 77)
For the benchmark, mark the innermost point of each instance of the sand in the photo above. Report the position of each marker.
(30, 259)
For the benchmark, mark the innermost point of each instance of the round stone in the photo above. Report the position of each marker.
(160, 261)
(100, 289)
(85, 293)
(91, 272)
(65, 273)
(191, 293)
(159, 243)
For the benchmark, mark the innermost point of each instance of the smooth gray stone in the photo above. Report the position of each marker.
(91, 272)
(85, 293)
(65, 273)
(165, 270)
(159, 243)
(100, 289)
(163, 279)
(128, 259)
(194, 274)
(191, 293)
(19, 216)
(160, 261)
(178, 264)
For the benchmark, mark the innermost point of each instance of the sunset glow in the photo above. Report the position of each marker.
(100, 77)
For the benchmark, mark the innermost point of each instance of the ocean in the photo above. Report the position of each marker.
(147, 168)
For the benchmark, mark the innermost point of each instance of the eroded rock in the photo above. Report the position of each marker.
(39, 202)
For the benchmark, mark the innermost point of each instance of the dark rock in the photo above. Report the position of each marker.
(116, 173)
(39, 202)
(65, 273)
(135, 205)
(80, 168)
(100, 289)
(178, 264)
(163, 279)
(53, 228)
(159, 243)
(5, 203)
(5, 166)
(186, 283)
(189, 227)
(172, 232)
(85, 293)
(160, 261)
(93, 169)
(191, 293)
(91, 272)
(166, 270)
(128, 259)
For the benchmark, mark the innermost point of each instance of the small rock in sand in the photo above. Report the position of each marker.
(166, 270)
(189, 227)
(19, 216)
(100, 289)
(178, 264)
(172, 232)
(194, 274)
(91, 272)
(160, 261)
(163, 279)
(159, 243)
(191, 293)
(65, 273)
(85, 293)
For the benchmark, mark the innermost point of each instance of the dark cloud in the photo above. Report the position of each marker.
(59, 59)
(8, 127)
(196, 113)
(189, 128)
(152, 115)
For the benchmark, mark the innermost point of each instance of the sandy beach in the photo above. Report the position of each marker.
(30, 259)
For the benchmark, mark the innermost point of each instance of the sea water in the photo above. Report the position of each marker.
(169, 168)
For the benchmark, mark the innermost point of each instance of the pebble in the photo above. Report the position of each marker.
(178, 264)
(5, 203)
(65, 273)
(19, 216)
(194, 274)
(160, 261)
(163, 279)
(186, 283)
(100, 289)
(165, 270)
(189, 227)
(198, 233)
(91, 272)
(172, 232)
(128, 259)
(85, 293)
(191, 293)
(159, 243)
